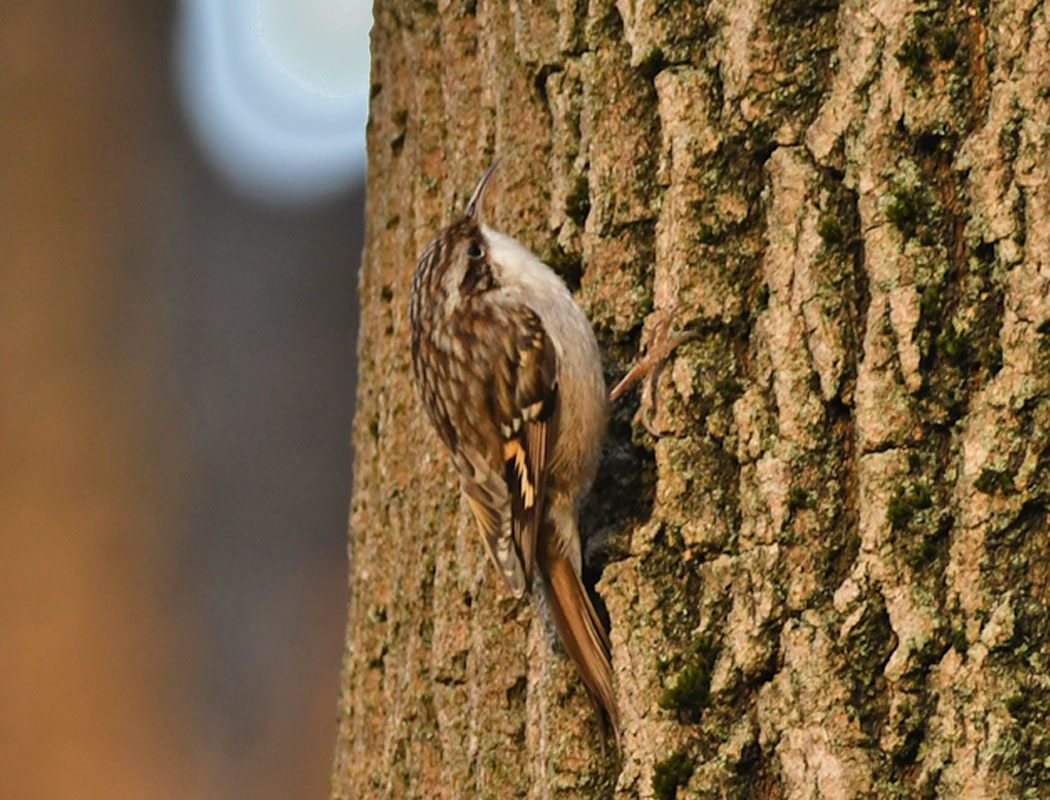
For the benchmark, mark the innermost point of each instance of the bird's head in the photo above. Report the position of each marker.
(455, 266)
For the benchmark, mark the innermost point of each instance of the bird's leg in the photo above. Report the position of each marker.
(649, 366)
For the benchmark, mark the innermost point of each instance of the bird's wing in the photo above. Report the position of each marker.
(507, 497)
(529, 434)
(489, 500)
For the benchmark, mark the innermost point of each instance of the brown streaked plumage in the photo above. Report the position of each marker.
(510, 375)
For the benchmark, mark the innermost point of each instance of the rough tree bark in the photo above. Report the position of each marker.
(828, 575)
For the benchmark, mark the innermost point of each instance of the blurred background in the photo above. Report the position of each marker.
(181, 201)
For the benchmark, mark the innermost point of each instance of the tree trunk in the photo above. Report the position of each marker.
(827, 569)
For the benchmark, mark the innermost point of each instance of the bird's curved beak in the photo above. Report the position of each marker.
(473, 207)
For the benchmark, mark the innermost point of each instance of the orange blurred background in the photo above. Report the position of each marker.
(176, 377)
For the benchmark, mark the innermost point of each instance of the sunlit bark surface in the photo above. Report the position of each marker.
(828, 573)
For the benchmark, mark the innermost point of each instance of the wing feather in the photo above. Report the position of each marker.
(527, 450)
(487, 496)
(508, 497)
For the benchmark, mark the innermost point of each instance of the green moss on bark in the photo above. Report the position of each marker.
(671, 773)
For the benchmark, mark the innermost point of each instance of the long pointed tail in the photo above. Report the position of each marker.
(579, 626)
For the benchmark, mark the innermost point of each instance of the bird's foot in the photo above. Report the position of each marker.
(650, 366)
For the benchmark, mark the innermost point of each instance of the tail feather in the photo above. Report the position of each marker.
(579, 627)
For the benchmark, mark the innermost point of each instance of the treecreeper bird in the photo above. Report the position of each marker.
(510, 374)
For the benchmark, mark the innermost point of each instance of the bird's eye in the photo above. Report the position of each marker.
(474, 251)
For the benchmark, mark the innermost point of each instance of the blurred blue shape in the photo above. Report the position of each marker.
(276, 92)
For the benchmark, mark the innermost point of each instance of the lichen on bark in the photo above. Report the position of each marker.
(826, 574)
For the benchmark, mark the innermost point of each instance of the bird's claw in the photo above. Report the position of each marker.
(650, 366)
